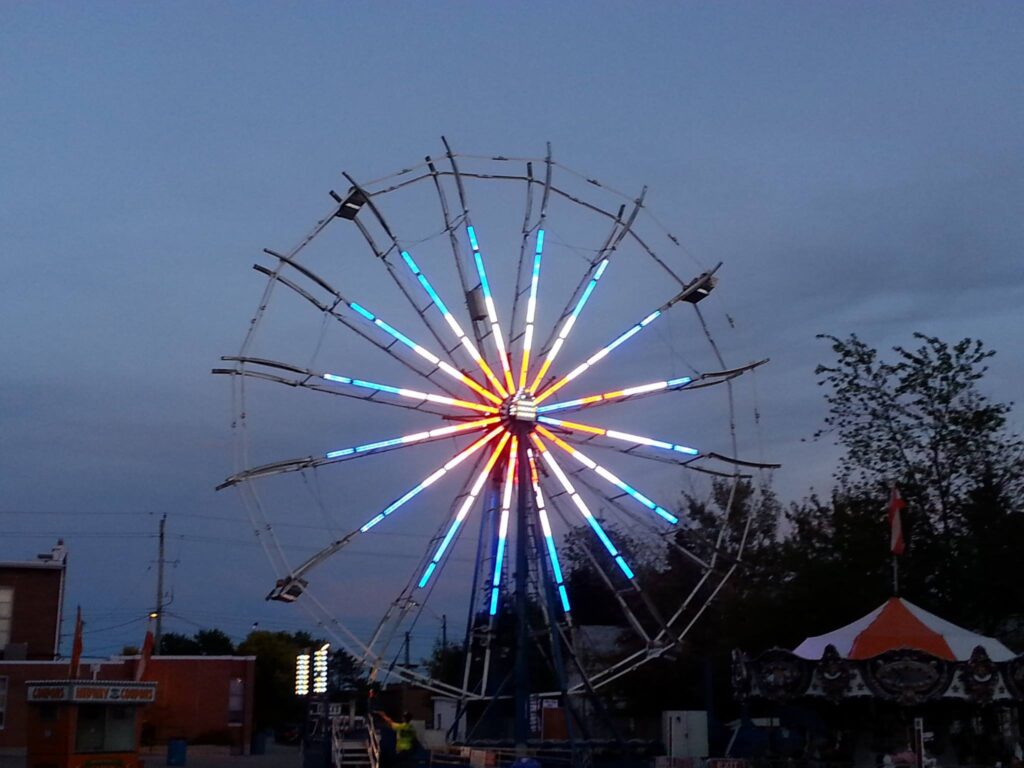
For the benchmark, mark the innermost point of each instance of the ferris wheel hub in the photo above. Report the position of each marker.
(519, 411)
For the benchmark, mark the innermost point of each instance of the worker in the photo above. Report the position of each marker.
(405, 738)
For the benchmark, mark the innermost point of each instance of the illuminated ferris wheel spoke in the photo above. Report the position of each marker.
(549, 540)
(410, 394)
(450, 228)
(384, 255)
(506, 505)
(355, 451)
(614, 590)
(530, 279)
(568, 323)
(453, 323)
(295, 576)
(357, 389)
(426, 354)
(464, 508)
(652, 609)
(672, 453)
(592, 465)
(399, 608)
(692, 292)
(430, 479)
(410, 439)
(698, 381)
(668, 535)
(623, 437)
(492, 313)
(586, 288)
(622, 338)
(331, 309)
(581, 505)
(617, 395)
(531, 310)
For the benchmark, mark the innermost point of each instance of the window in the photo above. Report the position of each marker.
(6, 612)
(236, 701)
(120, 729)
(3, 701)
(103, 728)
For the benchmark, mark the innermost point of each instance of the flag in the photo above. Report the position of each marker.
(147, 651)
(896, 503)
(76, 646)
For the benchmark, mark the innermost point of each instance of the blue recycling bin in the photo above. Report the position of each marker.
(177, 752)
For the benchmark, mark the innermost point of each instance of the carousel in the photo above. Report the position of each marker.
(899, 685)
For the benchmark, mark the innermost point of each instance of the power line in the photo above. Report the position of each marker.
(136, 620)
(75, 513)
(197, 516)
(81, 534)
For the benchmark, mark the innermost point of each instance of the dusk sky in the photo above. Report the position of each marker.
(857, 167)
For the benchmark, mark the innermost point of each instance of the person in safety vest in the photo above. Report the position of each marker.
(405, 737)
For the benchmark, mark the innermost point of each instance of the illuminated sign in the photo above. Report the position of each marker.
(93, 691)
(48, 693)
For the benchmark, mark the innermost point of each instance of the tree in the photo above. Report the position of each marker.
(744, 614)
(274, 699)
(205, 642)
(591, 572)
(214, 642)
(176, 644)
(447, 662)
(834, 564)
(345, 672)
(921, 421)
(741, 522)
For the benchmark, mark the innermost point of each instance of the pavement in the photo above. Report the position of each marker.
(277, 756)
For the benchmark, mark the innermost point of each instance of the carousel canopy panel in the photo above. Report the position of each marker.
(899, 624)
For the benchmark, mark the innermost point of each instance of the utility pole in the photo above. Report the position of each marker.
(159, 611)
(444, 631)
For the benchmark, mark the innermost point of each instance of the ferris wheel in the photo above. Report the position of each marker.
(473, 384)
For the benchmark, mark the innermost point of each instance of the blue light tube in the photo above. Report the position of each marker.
(467, 504)
(582, 506)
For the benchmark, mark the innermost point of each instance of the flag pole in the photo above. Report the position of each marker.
(76, 646)
(895, 576)
(896, 540)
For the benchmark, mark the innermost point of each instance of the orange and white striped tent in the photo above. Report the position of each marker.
(898, 624)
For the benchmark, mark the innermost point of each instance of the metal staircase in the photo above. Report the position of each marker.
(351, 749)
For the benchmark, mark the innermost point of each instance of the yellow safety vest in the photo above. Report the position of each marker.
(403, 737)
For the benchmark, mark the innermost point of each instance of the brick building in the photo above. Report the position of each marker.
(31, 606)
(202, 699)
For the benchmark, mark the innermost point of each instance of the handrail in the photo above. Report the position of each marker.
(336, 739)
(372, 741)
(339, 728)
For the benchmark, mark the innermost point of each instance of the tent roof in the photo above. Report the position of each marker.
(898, 623)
